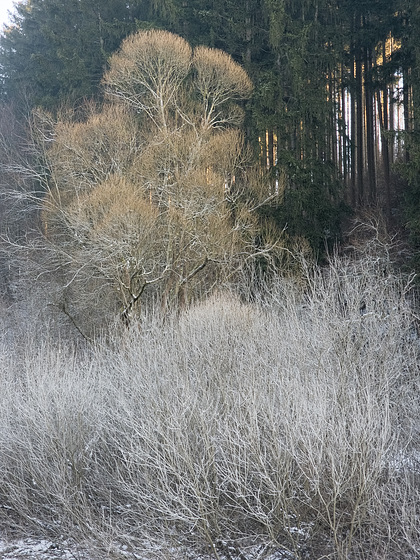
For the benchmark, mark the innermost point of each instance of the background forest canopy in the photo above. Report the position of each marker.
(332, 121)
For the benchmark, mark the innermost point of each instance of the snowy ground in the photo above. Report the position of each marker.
(37, 549)
(43, 549)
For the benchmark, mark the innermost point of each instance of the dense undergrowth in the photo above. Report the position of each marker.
(290, 421)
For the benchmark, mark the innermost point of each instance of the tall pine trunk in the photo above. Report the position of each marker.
(359, 129)
(370, 128)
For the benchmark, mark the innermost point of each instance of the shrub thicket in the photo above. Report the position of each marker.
(290, 423)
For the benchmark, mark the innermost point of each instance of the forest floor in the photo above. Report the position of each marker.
(33, 548)
(29, 548)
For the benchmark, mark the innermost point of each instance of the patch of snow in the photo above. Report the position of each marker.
(41, 549)
(44, 549)
(406, 460)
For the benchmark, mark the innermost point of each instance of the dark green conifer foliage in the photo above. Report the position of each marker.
(410, 62)
(56, 51)
(325, 98)
(295, 113)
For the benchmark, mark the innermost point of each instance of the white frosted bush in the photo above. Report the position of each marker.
(290, 421)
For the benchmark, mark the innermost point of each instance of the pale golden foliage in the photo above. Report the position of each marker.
(226, 152)
(152, 73)
(85, 153)
(114, 236)
(114, 209)
(219, 75)
(189, 171)
(148, 70)
(219, 79)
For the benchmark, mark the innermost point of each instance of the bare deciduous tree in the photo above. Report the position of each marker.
(141, 196)
(148, 71)
(220, 81)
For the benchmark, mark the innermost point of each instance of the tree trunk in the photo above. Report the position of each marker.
(359, 129)
(383, 118)
(353, 171)
(370, 130)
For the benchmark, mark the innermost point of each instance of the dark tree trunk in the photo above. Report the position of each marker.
(359, 129)
(370, 129)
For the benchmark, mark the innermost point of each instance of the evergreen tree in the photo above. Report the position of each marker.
(410, 55)
(55, 51)
(295, 116)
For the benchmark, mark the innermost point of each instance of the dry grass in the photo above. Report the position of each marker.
(290, 421)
